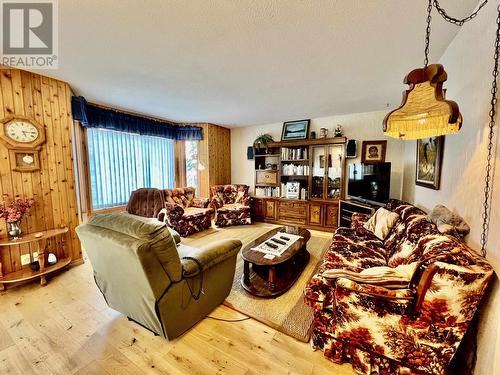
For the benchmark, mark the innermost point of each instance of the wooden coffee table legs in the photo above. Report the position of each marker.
(271, 276)
(246, 272)
(273, 280)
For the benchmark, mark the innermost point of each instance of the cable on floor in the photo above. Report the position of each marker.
(228, 320)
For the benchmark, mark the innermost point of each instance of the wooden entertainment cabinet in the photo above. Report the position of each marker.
(313, 170)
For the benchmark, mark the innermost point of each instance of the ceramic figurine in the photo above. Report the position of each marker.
(339, 132)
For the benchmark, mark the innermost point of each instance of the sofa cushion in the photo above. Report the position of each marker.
(409, 228)
(181, 196)
(353, 254)
(406, 250)
(192, 212)
(234, 207)
(381, 222)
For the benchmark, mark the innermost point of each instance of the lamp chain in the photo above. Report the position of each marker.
(489, 157)
(456, 21)
(442, 12)
(428, 34)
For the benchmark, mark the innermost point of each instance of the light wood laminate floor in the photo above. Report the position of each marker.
(66, 328)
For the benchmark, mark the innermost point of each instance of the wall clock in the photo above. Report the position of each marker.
(23, 137)
(21, 133)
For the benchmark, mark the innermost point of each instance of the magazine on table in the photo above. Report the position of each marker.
(277, 244)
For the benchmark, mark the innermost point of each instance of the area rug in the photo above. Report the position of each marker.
(286, 313)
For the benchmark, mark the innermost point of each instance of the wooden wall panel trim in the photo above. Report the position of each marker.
(215, 155)
(48, 101)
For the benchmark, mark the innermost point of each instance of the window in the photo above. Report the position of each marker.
(122, 162)
(192, 165)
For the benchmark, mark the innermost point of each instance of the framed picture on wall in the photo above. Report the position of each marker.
(429, 161)
(295, 130)
(373, 152)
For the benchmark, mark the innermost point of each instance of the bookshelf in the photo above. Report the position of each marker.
(300, 182)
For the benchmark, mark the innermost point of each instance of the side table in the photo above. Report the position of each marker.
(26, 273)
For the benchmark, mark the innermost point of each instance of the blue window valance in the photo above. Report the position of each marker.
(93, 116)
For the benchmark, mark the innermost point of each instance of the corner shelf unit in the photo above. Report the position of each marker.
(300, 182)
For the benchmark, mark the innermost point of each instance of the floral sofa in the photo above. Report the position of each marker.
(411, 324)
(186, 213)
(231, 204)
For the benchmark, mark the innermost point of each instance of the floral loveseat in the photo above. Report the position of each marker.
(186, 213)
(231, 204)
(402, 325)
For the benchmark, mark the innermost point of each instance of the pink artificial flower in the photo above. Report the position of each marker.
(15, 209)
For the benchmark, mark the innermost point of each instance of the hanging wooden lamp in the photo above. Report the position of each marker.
(424, 111)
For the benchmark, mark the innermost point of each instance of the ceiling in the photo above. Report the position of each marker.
(246, 62)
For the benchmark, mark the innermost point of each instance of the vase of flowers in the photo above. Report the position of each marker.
(13, 211)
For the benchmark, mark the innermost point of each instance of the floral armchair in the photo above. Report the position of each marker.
(399, 306)
(231, 204)
(186, 213)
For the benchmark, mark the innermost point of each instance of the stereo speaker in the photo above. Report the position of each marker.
(351, 148)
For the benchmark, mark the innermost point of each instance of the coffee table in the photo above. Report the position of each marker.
(271, 277)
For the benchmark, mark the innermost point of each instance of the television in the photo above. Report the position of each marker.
(369, 182)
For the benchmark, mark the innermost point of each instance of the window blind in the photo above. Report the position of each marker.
(121, 162)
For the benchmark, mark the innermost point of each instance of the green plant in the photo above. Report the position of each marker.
(262, 140)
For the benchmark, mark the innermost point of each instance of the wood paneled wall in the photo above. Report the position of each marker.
(48, 101)
(215, 155)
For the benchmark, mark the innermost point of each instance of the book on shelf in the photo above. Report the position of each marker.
(295, 153)
(295, 170)
(267, 191)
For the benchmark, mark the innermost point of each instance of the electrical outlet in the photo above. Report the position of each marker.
(25, 259)
(35, 255)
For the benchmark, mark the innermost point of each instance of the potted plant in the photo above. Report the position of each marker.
(13, 211)
(262, 140)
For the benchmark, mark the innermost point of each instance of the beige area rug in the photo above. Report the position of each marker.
(286, 313)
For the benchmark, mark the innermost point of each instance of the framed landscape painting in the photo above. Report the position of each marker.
(295, 130)
(429, 160)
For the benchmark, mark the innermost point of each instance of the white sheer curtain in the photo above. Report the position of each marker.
(122, 162)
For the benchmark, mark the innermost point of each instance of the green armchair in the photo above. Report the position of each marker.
(146, 274)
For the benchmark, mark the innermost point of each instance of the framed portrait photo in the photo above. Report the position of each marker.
(295, 130)
(429, 161)
(373, 152)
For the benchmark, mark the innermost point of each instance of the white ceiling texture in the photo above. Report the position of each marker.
(246, 62)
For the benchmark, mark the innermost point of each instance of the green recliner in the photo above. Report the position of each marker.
(146, 274)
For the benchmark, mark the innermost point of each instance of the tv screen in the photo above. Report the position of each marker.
(370, 182)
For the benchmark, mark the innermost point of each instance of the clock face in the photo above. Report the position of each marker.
(21, 131)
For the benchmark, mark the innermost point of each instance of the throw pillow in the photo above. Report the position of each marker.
(381, 222)
(448, 222)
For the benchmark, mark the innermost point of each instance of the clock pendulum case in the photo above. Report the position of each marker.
(23, 137)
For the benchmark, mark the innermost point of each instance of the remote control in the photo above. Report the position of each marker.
(285, 238)
(278, 241)
(270, 244)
